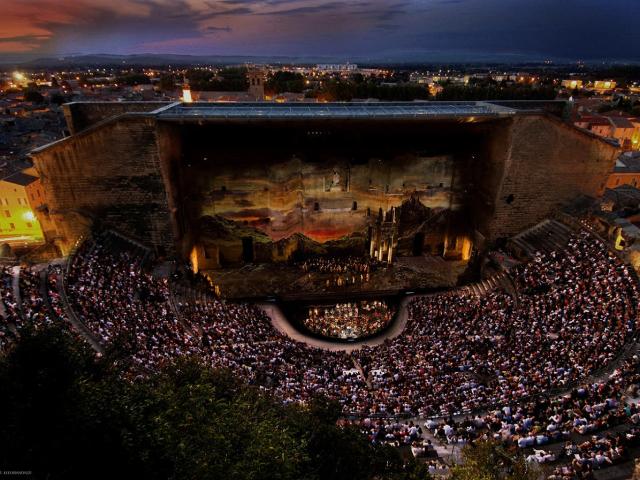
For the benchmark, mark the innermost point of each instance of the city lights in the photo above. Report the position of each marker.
(320, 239)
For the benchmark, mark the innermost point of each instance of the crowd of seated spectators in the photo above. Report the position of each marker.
(458, 353)
(124, 305)
(242, 338)
(461, 352)
(121, 303)
(33, 311)
(11, 316)
(54, 273)
(34, 307)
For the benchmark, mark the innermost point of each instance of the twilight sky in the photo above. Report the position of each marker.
(507, 29)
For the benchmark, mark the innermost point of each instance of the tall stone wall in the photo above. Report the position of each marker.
(546, 164)
(112, 175)
(128, 174)
(81, 115)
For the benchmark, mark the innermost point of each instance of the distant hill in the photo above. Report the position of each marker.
(389, 58)
(106, 60)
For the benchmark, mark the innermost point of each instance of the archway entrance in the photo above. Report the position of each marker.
(418, 244)
(247, 249)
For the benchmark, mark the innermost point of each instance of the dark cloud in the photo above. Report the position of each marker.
(321, 8)
(220, 13)
(213, 28)
(24, 38)
(258, 2)
(572, 29)
(388, 27)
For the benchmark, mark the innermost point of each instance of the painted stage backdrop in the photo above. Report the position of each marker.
(323, 201)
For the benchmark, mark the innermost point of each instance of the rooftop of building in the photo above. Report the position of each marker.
(623, 196)
(20, 178)
(627, 163)
(383, 110)
(621, 122)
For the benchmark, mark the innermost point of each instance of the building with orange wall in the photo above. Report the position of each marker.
(625, 172)
(19, 224)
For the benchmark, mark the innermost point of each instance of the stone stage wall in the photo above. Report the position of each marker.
(154, 179)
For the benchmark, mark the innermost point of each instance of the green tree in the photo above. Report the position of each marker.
(32, 95)
(67, 414)
(133, 79)
(59, 99)
(282, 81)
(167, 82)
(489, 461)
(228, 79)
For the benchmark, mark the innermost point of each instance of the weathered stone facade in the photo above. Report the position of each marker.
(545, 164)
(129, 172)
(109, 174)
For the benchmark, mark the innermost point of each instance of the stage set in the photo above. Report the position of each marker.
(291, 201)
(338, 212)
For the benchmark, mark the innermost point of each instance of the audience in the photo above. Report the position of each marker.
(35, 310)
(11, 319)
(512, 357)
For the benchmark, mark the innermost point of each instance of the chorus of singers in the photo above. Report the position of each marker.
(340, 271)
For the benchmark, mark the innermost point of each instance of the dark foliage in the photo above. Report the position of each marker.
(281, 82)
(67, 414)
(344, 91)
(227, 80)
(133, 79)
(31, 95)
(471, 92)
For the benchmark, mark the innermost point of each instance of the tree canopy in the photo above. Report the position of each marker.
(32, 95)
(488, 461)
(226, 80)
(67, 414)
(489, 91)
(346, 90)
(282, 81)
(132, 79)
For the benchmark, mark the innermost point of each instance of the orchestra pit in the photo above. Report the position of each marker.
(402, 269)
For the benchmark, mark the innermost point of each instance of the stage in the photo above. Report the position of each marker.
(289, 281)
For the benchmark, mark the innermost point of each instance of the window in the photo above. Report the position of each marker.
(7, 213)
(29, 225)
(12, 226)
